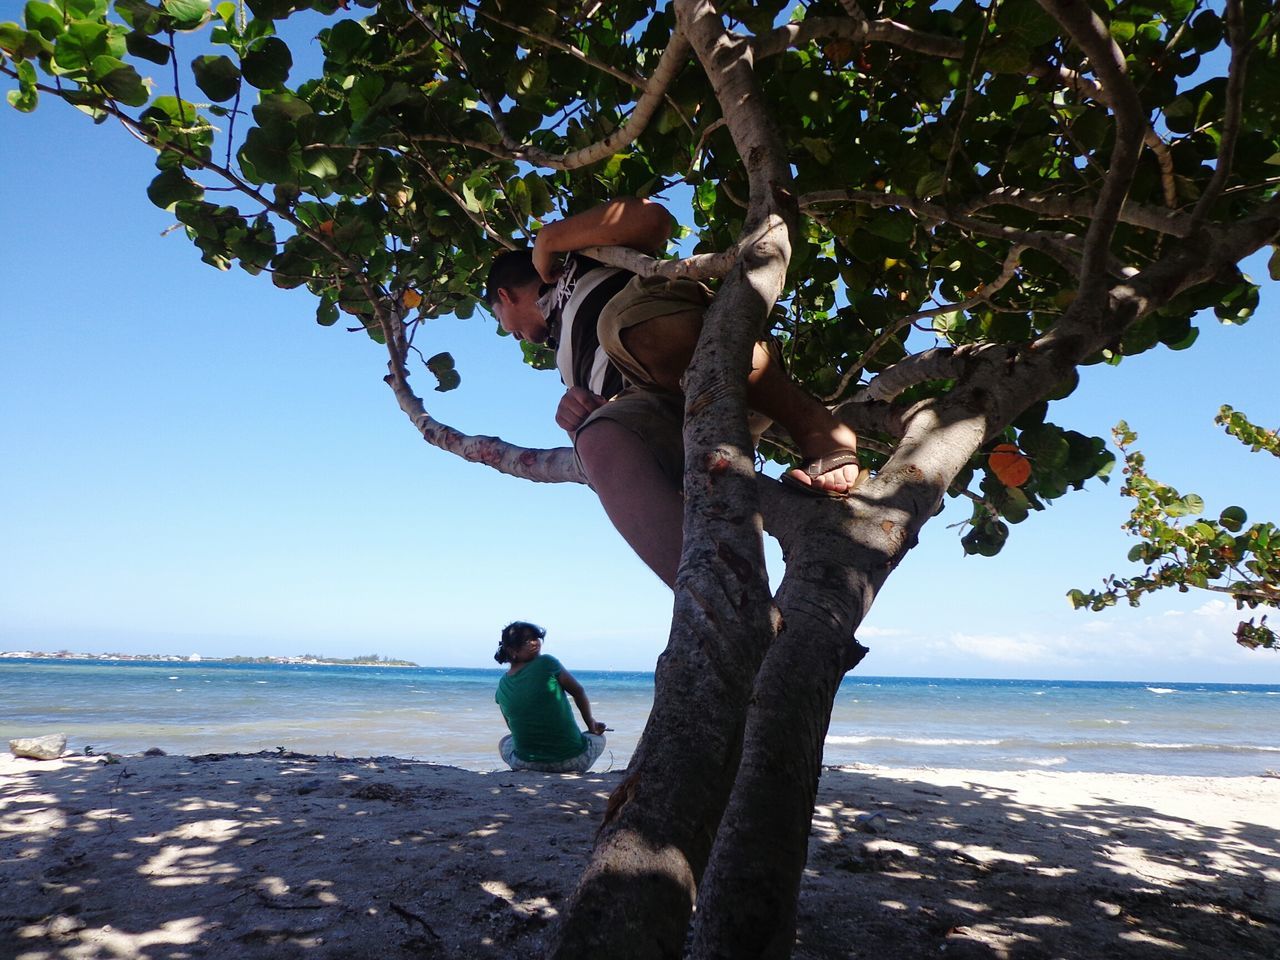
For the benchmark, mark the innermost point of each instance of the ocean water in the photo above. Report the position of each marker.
(449, 716)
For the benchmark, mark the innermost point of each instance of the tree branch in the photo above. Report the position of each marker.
(1092, 36)
(560, 45)
(858, 30)
(654, 93)
(1007, 272)
(1062, 247)
(476, 218)
(700, 266)
(1164, 158)
(940, 363)
(864, 415)
(557, 465)
(1240, 50)
(1081, 208)
(672, 61)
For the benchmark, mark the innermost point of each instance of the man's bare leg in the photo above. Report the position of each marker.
(664, 345)
(641, 501)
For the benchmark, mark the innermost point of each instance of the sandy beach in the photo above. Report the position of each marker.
(283, 855)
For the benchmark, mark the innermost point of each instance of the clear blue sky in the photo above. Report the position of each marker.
(189, 464)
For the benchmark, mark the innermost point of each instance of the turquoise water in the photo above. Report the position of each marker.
(448, 716)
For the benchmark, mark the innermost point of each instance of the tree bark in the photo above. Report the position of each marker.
(835, 566)
(636, 896)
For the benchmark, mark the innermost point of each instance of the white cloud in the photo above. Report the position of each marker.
(870, 633)
(1214, 608)
(1002, 649)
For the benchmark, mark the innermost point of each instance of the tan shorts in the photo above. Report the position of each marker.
(651, 412)
(643, 299)
(655, 416)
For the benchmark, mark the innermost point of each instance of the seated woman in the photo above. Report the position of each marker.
(531, 695)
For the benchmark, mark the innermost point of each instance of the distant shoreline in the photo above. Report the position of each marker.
(196, 658)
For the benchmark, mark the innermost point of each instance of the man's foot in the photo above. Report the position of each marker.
(834, 474)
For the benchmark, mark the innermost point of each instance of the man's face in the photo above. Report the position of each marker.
(518, 313)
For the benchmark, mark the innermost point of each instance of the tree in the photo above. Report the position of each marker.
(942, 210)
(1220, 556)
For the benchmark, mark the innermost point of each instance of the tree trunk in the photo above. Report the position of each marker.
(835, 566)
(635, 899)
(747, 903)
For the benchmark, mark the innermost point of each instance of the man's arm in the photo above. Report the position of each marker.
(628, 222)
(574, 689)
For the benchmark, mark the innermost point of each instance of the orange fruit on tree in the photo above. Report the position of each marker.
(1009, 464)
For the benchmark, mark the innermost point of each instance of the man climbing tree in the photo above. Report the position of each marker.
(941, 210)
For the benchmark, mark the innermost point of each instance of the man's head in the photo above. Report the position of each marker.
(512, 293)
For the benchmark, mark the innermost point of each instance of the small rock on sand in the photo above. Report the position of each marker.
(39, 748)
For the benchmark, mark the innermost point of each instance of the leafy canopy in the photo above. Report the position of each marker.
(947, 161)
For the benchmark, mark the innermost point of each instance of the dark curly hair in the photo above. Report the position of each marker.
(514, 636)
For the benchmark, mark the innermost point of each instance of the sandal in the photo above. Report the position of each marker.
(819, 466)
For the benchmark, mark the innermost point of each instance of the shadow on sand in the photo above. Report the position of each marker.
(291, 856)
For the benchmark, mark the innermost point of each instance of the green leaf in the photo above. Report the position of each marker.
(439, 363)
(1233, 519)
(171, 187)
(320, 164)
(1122, 31)
(985, 539)
(217, 76)
(186, 14)
(280, 112)
(44, 18)
(120, 81)
(85, 9)
(26, 97)
(518, 193)
(1046, 445)
(1273, 265)
(79, 45)
(144, 17)
(267, 65)
(21, 44)
(930, 184)
(147, 48)
(272, 158)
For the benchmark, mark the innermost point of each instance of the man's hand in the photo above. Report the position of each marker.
(544, 258)
(575, 406)
(596, 727)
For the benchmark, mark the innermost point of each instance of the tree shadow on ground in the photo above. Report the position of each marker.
(976, 871)
(282, 856)
(286, 856)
